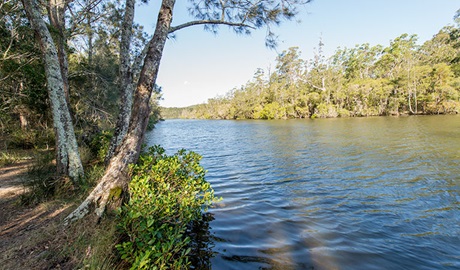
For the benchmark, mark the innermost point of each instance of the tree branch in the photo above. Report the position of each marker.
(213, 22)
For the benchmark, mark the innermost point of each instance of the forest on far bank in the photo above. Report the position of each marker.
(402, 78)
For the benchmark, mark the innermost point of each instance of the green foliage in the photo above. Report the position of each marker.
(402, 78)
(99, 144)
(256, 14)
(343, 112)
(32, 138)
(167, 193)
(7, 158)
(271, 111)
(326, 111)
(155, 113)
(22, 76)
(92, 175)
(41, 182)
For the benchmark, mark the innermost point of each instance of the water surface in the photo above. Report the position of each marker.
(358, 193)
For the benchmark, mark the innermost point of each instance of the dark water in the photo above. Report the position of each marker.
(361, 193)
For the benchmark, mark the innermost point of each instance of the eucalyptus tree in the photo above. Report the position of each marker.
(67, 156)
(288, 75)
(455, 40)
(241, 15)
(104, 62)
(316, 74)
(48, 21)
(129, 69)
(440, 49)
(358, 62)
(397, 64)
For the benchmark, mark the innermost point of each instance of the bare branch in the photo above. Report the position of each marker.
(208, 22)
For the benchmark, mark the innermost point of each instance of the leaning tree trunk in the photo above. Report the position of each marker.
(126, 84)
(116, 176)
(67, 157)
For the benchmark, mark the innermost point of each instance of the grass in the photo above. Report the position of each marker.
(94, 246)
(9, 158)
(41, 181)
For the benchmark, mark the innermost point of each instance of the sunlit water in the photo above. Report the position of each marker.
(360, 193)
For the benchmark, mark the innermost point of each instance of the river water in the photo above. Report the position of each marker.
(352, 193)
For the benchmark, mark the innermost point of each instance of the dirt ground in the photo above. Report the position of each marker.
(31, 237)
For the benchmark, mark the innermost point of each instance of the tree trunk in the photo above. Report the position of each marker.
(56, 12)
(90, 33)
(410, 102)
(415, 98)
(23, 119)
(116, 176)
(67, 157)
(126, 80)
(22, 111)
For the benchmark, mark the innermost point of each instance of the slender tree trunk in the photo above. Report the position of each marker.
(67, 157)
(116, 176)
(22, 111)
(415, 98)
(90, 33)
(126, 78)
(23, 119)
(56, 12)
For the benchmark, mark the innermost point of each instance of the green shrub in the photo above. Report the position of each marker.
(99, 145)
(7, 158)
(343, 112)
(167, 193)
(326, 111)
(29, 139)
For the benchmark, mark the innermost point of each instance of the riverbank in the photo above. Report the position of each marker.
(34, 203)
(208, 112)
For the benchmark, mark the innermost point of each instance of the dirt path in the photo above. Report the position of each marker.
(30, 236)
(11, 188)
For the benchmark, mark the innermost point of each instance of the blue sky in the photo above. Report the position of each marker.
(198, 65)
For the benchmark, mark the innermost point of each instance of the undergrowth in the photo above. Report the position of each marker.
(159, 227)
(41, 181)
(167, 194)
(8, 158)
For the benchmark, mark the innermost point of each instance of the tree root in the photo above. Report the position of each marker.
(99, 197)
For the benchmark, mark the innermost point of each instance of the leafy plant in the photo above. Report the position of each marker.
(8, 158)
(167, 193)
(100, 144)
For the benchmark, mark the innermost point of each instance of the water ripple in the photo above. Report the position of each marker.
(367, 193)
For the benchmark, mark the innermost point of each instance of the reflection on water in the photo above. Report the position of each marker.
(201, 243)
(361, 193)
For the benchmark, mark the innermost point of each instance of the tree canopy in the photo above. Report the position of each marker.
(401, 78)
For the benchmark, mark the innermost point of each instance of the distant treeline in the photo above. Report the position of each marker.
(403, 78)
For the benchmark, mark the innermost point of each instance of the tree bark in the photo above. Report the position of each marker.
(126, 80)
(116, 175)
(22, 111)
(67, 157)
(56, 12)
